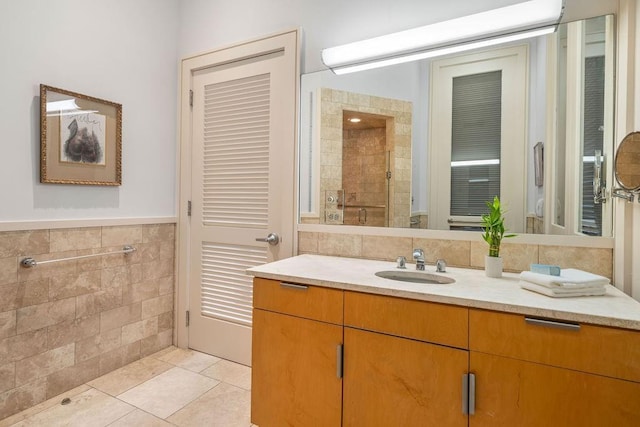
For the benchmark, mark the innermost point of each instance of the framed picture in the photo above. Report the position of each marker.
(80, 139)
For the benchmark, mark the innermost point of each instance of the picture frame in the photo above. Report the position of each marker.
(80, 138)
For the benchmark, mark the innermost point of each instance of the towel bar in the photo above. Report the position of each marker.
(31, 262)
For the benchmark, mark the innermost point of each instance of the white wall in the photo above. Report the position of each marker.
(208, 24)
(119, 50)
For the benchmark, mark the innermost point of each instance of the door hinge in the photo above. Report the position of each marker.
(189, 208)
(190, 98)
(187, 317)
(388, 174)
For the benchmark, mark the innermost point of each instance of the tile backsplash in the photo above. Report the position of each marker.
(457, 253)
(66, 323)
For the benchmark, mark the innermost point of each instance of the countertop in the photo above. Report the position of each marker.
(471, 289)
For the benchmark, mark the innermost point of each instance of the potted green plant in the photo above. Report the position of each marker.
(494, 232)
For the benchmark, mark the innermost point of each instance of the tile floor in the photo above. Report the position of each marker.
(173, 387)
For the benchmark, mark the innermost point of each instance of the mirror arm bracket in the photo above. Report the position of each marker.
(625, 194)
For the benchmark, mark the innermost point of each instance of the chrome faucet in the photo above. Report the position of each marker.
(418, 255)
(441, 266)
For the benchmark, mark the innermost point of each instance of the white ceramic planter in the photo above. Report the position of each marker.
(493, 266)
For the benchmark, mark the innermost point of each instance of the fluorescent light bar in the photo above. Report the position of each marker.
(523, 20)
(475, 163)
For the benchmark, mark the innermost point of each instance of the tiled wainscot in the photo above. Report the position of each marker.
(66, 323)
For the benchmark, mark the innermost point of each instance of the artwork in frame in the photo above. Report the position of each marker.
(80, 138)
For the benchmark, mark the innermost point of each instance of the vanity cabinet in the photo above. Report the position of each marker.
(328, 357)
(533, 372)
(296, 333)
(401, 366)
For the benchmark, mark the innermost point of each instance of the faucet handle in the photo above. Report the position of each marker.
(402, 261)
(441, 266)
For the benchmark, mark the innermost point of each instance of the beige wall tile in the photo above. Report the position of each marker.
(165, 285)
(140, 291)
(165, 321)
(167, 250)
(149, 252)
(119, 316)
(139, 330)
(455, 252)
(478, 251)
(43, 315)
(65, 321)
(72, 285)
(98, 344)
(156, 306)
(119, 357)
(98, 302)
(44, 364)
(158, 232)
(308, 242)
(73, 330)
(517, 257)
(16, 295)
(386, 248)
(156, 269)
(27, 243)
(8, 270)
(22, 346)
(116, 277)
(121, 235)
(594, 260)
(155, 343)
(7, 377)
(21, 398)
(7, 324)
(346, 245)
(73, 376)
(72, 239)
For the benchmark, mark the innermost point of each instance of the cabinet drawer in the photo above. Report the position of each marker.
(311, 302)
(420, 320)
(588, 348)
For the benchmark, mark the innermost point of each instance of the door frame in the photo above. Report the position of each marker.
(188, 66)
(515, 102)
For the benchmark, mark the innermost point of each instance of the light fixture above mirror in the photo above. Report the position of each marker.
(506, 24)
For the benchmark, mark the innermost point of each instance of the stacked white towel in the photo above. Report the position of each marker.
(570, 283)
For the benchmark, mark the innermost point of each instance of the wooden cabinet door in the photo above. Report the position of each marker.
(294, 371)
(392, 381)
(512, 392)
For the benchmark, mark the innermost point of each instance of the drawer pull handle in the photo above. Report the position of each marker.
(468, 394)
(339, 360)
(552, 324)
(294, 286)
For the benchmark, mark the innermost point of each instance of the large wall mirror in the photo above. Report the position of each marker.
(425, 144)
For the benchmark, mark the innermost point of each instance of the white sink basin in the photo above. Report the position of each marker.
(415, 277)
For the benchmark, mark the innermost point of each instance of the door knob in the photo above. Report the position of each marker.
(271, 239)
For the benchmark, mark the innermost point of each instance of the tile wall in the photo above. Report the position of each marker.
(66, 323)
(398, 138)
(457, 253)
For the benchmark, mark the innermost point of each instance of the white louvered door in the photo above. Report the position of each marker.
(242, 189)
